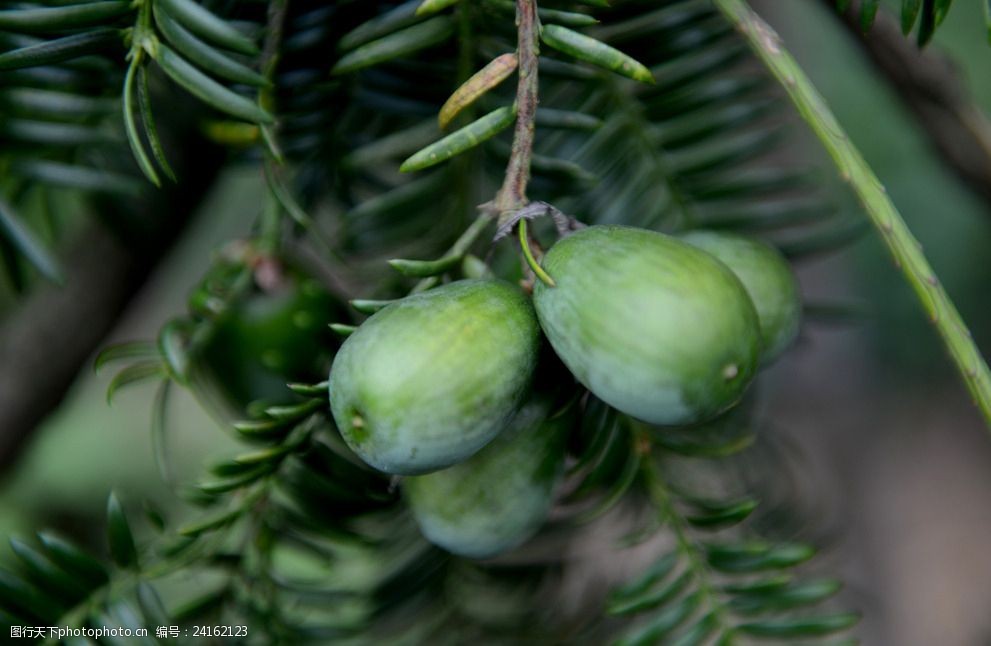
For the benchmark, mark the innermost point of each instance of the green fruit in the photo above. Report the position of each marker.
(429, 380)
(266, 339)
(652, 326)
(768, 279)
(498, 498)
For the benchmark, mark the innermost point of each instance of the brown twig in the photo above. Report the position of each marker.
(512, 195)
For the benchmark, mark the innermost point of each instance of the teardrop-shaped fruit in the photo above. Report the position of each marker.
(651, 325)
(429, 380)
(498, 498)
(768, 279)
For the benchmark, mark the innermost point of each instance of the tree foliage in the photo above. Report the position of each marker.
(379, 128)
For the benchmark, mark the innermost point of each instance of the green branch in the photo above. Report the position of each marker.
(661, 497)
(905, 249)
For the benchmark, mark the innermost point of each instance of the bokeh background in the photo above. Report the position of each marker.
(895, 458)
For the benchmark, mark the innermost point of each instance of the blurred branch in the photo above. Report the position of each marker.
(49, 337)
(930, 86)
(878, 207)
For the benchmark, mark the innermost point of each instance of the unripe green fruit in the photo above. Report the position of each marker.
(429, 380)
(768, 280)
(498, 498)
(268, 338)
(652, 326)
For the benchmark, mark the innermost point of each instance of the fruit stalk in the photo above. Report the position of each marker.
(895, 234)
(530, 260)
(512, 195)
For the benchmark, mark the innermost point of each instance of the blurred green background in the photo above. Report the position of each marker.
(89, 446)
(876, 405)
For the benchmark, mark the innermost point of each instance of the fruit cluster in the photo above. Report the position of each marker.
(440, 386)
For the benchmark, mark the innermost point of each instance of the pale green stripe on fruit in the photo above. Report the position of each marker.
(430, 379)
(655, 335)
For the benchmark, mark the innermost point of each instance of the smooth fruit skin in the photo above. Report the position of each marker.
(652, 326)
(428, 381)
(267, 339)
(498, 498)
(769, 281)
